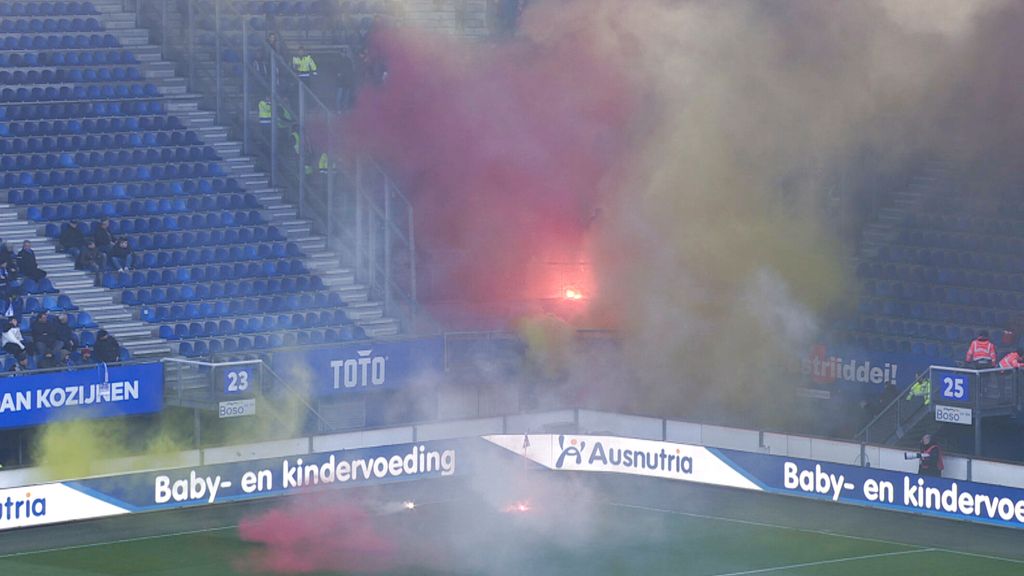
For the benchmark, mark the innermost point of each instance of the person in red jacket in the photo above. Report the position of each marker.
(931, 457)
(1012, 360)
(982, 352)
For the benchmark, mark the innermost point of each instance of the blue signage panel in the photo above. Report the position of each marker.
(238, 380)
(96, 392)
(362, 367)
(848, 370)
(951, 386)
(899, 491)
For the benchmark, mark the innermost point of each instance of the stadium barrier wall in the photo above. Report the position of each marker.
(723, 456)
(783, 475)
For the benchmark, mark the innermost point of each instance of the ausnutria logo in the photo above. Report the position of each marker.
(573, 450)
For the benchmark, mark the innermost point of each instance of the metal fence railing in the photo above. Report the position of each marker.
(347, 197)
(946, 394)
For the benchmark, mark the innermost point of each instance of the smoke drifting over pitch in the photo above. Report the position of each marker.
(731, 150)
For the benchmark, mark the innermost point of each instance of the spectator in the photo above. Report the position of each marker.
(12, 341)
(90, 258)
(44, 336)
(107, 348)
(121, 255)
(8, 260)
(982, 352)
(71, 239)
(101, 234)
(66, 336)
(5, 284)
(346, 81)
(86, 356)
(27, 265)
(1014, 359)
(931, 457)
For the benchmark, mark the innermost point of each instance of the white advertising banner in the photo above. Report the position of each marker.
(625, 456)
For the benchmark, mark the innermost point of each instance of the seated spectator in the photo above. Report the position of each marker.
(90, 259)
(65, 335)
(8, 261)
(982, 352)
(44, 336)
(12, 341)
(71, 239)
(5, 283)
(107, 348)
(27, 265)
(121, 255)
(85, 356)
(101, 235)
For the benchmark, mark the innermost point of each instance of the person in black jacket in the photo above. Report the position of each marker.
(27, 263)
(107, 348)
(101, 234)
(45, 336)
(65, 335)
(90, 258)
(71, 239)
(121, 255)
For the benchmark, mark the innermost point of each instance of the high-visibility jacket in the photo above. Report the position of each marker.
(981, 350)
(296, 137)
(265, 111)
(922, 388)
(1012, 360)
(304, 65)
(324, 163)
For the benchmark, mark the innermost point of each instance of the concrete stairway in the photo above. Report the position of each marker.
(275, 208)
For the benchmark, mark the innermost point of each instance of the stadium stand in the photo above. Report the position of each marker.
(935, 270)
(95, 126)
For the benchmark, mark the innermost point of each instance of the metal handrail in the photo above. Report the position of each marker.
(902, 393)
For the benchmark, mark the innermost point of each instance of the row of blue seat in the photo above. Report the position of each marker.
(71, 144)
(146, 241)
(26, 25)
(31, 304)
(254, 324)
(156, 124)
(68, 177)
(235, 253)
(70, 58)
(943, 276)
(285, 285)
(923, 330)
(68, 75)
(978, 259)
(984, 242)
(197, 220)
(80, 110)
(91, 193)
(949, 294)
(995, 225)
(178, 205)
(55, 42)
(201, 348)
(254, 309)
(107, 91)
(30, 286)
(56, 8)
(210, 273)
(876, 343)
(992, 265)
(110, 157)
(957, 313)
(209, 309)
